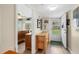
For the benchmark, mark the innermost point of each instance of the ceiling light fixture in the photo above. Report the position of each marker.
(52, 8)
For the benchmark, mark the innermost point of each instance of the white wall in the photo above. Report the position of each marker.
(69, 31)
(0, 29)
(7, 27)
(73, 42)
(35, 30)
(63, 30)
(49, 30)
(74, 34)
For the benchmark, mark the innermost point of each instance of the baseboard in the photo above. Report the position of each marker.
(6, 51)
(1, 52)
(70, 50)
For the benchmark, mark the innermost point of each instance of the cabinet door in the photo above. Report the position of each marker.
(40, 42)
(28, 41)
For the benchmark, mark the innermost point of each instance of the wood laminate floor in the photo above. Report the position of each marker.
(56, 49)
(52, 49)
(22, 50)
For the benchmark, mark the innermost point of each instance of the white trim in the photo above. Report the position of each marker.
(16, 36)
(70, 50)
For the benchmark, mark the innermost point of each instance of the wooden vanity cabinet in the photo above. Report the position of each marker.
(21, 36)
(42, 41)
(28, 41)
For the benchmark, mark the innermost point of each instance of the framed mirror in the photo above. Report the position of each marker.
(39, 23)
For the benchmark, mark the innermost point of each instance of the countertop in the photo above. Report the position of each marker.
(42, 33)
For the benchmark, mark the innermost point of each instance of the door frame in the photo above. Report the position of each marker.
(16, 32)
(67, 29)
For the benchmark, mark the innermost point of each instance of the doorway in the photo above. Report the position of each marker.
(68, 35)
(23, 35)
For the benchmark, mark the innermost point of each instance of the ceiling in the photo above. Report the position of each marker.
(43, 10)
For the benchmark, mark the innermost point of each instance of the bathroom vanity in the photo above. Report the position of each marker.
(42, 41)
